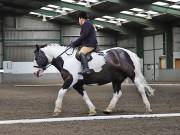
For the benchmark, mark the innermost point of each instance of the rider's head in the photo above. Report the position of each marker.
(82, 17)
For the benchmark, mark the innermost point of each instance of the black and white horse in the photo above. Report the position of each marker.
(114, 66)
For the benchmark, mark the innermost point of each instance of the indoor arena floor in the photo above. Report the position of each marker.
(37, 102)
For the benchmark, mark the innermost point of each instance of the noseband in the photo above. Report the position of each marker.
(44, 68)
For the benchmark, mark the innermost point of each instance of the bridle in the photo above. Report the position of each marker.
(65, 51)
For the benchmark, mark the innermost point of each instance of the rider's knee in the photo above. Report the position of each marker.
(81, 53)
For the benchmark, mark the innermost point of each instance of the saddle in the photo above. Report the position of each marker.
(88, 55)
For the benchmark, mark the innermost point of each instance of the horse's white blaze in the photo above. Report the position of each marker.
(58, 104)
(113, 102)
(38, 72)
(88, 102)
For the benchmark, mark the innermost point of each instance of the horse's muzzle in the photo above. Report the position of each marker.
(39, 72)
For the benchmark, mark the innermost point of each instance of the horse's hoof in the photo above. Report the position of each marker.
(92, 113)
(55, 114)
(107, 111)
(148, 111)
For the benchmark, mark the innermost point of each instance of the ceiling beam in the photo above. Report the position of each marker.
(136, 19)
(139, 20)
(161, 9)
(122, 30)
(127, 2)
(115, 1)
(156, 8)
(104, 24)
(77, 7)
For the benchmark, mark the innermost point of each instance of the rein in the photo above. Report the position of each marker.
(68, 47)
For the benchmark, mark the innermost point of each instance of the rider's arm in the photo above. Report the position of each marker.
(84, 34)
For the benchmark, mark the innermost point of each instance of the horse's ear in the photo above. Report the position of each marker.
(42, 46)
(37, 48)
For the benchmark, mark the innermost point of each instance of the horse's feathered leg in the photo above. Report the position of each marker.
(68, 80)
(79, 87)
(58, 103)
(117, 94)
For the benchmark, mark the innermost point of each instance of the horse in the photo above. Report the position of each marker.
(112, 65)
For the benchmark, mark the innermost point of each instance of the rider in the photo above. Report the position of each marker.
(87, 41)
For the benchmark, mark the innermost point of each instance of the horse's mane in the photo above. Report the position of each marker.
(55, 44)
(58, 46)
(52, 45)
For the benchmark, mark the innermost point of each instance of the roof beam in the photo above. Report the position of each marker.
(77, 7)
(139, 20)
(162, 9)
(121, 29)
(70, 19)
(136, 2)
(156, 8)
(104, 24)
(114, 1)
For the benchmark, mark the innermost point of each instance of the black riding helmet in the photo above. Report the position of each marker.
(82, 15)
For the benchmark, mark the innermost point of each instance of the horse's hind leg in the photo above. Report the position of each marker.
(116, 95)
(79, 88)
(141, 89)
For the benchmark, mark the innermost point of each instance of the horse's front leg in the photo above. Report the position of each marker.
(68, 82)
(58, 103)
(79, 88)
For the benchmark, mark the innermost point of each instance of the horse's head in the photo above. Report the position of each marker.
(40, 62)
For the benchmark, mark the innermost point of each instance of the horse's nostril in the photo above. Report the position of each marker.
(35, 74)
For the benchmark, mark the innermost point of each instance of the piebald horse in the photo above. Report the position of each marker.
(111, 65)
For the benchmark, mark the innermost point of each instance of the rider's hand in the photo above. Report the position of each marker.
(72, 45)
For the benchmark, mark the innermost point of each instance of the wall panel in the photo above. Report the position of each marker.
(153, 49)
(128, 43)
(1, 45)
(176, 39)
(23, 33)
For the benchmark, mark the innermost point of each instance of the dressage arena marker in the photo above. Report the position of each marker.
(88, 118)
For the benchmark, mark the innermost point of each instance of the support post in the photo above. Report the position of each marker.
(169, 47)
(139, 44)
(1, 47)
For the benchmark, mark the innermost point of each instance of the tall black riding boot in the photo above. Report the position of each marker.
(84, 63)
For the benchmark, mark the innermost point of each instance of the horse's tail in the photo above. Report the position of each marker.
(148, 89)
(140, 78)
